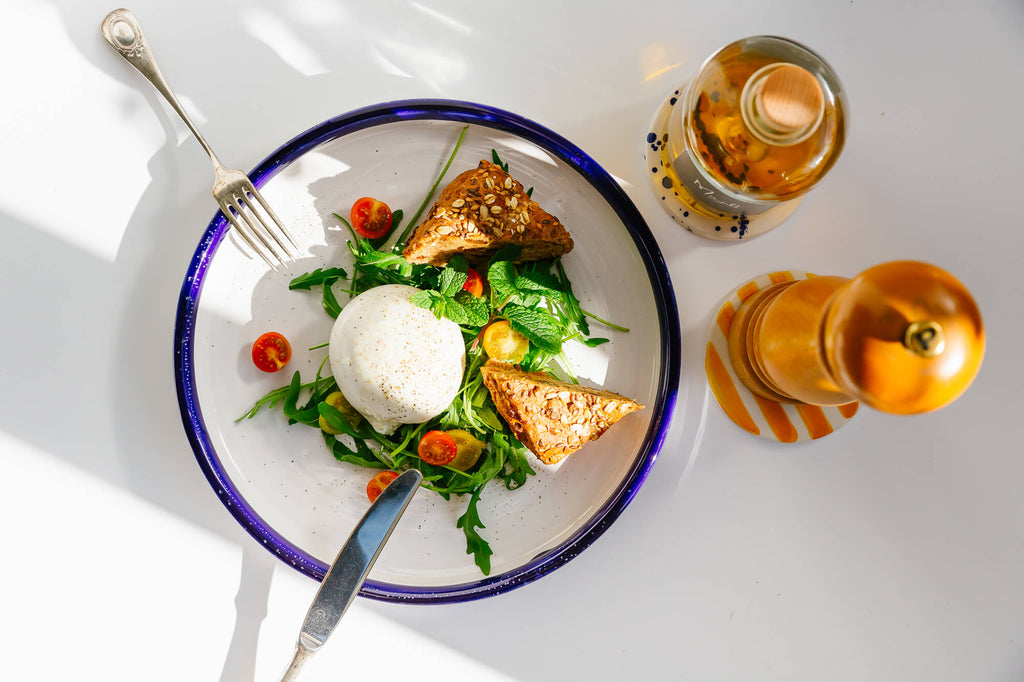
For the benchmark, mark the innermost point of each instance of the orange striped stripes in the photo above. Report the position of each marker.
(780, 422)
(725, 391)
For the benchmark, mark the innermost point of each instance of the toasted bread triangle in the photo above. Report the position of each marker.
(552, 418)
(482, 210)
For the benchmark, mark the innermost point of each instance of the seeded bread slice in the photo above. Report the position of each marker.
(482, 210)
(552, 418)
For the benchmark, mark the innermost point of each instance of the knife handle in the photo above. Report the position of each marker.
(292, 673)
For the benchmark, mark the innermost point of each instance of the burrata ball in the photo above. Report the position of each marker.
(395, 362)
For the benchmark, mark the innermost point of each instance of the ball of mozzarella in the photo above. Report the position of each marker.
(395, 362)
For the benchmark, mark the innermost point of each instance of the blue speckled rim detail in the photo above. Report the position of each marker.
(657, 272)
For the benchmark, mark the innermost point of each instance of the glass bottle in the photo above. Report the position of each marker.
(733, 151)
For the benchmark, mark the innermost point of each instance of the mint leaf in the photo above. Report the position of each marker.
(502, 277)
(453, 310)
(431, 300)
(539, 326)
(451, 281)
(540, 283)
(510, 252)
(478, 309)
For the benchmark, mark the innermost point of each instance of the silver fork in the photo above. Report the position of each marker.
(239, 201)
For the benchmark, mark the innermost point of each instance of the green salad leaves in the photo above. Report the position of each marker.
(537, 300)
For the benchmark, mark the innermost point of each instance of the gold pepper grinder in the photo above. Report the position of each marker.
(904, 337)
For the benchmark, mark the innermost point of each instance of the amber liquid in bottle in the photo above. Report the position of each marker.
(734, 155)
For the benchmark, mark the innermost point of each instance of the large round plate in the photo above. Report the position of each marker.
(283, 485)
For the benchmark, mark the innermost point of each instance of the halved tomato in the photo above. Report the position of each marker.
(437, 447)
(370, 218)
(468, 449)
(503, 343)
(271, 352)
(377, 484)
(474, 283)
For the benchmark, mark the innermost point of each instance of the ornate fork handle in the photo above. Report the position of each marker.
(121, 29)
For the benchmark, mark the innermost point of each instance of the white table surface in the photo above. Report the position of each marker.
(890, 550)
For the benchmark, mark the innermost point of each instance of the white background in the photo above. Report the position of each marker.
(890, 550)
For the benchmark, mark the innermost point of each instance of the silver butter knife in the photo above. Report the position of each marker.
(349, 570)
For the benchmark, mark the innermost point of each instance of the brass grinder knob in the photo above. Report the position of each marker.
(904, 337)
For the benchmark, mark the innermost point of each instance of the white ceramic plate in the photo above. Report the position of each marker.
(284, 486)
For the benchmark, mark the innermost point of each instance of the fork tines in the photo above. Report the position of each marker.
(257, 224)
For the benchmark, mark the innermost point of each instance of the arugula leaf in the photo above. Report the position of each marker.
(361, 456)
(516, 466)
(504, 166)
(307, 415)
(497, 160)
(572, 308)
(475, 544)
(320, 276)
(396, 219)
(275, 397)
(330, 302)
(338, 421)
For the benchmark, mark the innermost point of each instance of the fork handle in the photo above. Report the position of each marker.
(121, 29)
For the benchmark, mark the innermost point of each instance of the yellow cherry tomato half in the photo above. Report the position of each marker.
(503, 343)
(338, 401)
(468, 449)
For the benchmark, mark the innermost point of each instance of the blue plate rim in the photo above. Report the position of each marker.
(668, 326)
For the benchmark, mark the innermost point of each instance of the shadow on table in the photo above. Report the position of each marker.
(250, 610)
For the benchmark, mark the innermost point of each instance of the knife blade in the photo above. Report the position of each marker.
(350, 568)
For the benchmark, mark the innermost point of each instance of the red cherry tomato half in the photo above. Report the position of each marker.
(371, 218)
(474, 284)
(437, 447)
(377, 484)
(271, 352)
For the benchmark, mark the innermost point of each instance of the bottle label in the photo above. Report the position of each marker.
(705, 190)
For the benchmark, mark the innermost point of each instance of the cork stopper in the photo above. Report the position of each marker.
(790, 98)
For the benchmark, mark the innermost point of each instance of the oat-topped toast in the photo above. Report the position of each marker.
(552, 418)
(482, 210)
